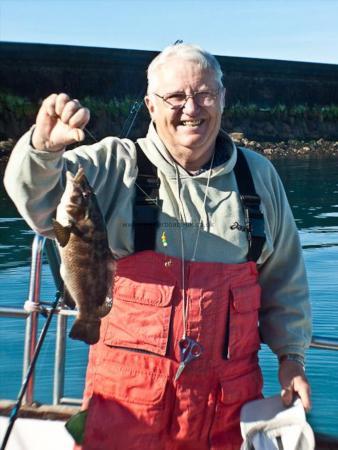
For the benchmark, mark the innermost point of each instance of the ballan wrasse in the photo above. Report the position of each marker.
(87, 266)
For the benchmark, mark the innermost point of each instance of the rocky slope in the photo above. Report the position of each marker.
(291, 148)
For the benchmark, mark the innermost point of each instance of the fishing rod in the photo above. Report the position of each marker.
(136, 107)
(54, 262)
(134, 110)
(15, 411)
(133, 113)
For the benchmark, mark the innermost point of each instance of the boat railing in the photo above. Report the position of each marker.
(34, 307)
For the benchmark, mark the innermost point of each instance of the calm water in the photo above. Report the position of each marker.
(312, 187)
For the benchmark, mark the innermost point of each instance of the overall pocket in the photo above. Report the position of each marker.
(242, 389)
(140, 316)
(243, 320)
(128, 409)
(130, 385)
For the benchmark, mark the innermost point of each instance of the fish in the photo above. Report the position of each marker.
(87, 263)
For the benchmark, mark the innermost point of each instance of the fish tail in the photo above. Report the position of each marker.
(87, 331)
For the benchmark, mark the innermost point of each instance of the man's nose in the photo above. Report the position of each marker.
(190, 105)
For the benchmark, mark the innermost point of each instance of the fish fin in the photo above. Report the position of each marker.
(68, 299)
(86, 331)
(79, 174)
(62, 233)
(104, 309)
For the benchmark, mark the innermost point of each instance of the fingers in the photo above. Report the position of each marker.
(47, 105)
(287, 395)
(55, 103)
(294, 382)
(298, 387)
(76, 135)
(303, 389)
(60, 122)
(61, 101)
(69, 111)
(78, 119)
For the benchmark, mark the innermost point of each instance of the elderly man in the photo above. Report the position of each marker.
(218, 269)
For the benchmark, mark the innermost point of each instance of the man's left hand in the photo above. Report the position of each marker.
(293, 381)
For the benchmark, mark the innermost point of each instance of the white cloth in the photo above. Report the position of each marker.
(268, 425)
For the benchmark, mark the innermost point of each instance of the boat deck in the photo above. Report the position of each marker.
(45, 415)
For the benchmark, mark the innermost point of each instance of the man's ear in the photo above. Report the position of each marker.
(150, 105)
(223, 94)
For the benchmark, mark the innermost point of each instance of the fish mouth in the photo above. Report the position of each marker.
(191, 123)
(80, 182)
(80, 176)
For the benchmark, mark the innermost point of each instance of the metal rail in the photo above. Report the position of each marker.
(33, 318)
(324, 343)
(36, 307)
(20, 313)
(41, 244)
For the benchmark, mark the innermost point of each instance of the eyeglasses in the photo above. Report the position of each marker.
(177, 100)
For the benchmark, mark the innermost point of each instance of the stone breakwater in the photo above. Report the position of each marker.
(290, 148)
(6, 148)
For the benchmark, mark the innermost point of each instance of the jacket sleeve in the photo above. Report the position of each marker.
(285, 316)
(35, 180)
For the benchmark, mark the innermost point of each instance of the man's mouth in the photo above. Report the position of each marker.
(191, 123)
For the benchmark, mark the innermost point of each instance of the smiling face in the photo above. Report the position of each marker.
(188, 133)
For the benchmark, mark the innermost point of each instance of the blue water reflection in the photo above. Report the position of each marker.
(312, 188)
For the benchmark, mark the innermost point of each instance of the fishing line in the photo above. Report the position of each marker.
(136, 107)
(136, 184)
(134, 110)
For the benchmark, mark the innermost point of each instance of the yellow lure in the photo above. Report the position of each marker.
(164, 239)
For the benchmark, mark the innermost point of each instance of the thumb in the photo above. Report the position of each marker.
(76, 135)
(287, 395)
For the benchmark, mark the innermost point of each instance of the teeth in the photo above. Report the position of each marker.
(191, 123)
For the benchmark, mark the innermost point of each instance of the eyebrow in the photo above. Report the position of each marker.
(195, 92)
(175, 92)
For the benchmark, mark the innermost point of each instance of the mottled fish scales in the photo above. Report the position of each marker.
(87, 265)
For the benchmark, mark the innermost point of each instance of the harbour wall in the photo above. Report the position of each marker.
(34, 71)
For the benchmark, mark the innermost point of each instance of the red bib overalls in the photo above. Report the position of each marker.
(134, 401)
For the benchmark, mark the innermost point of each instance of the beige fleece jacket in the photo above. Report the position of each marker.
(35, 182)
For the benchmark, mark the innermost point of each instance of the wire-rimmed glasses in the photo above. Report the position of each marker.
(177, 100)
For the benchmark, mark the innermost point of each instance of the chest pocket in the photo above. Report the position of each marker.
(140, 316)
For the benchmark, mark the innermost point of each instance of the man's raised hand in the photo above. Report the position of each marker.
(60, 122)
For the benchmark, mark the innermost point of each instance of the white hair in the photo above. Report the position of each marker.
(187, 52)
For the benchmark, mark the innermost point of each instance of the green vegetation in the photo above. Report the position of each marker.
(282, 112)
(116, 109)
(17, 114)
(21, 107)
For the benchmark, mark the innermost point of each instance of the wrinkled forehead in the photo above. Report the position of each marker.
(176, 74)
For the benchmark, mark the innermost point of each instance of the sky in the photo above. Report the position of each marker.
(296, 30)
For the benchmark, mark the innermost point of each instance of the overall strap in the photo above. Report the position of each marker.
(147, 205)
(254, 219)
